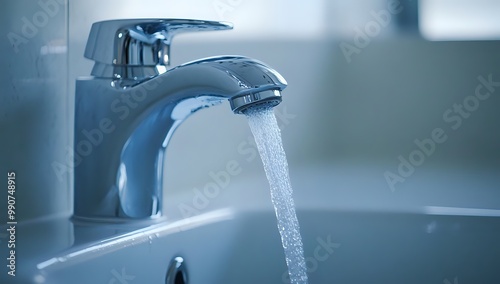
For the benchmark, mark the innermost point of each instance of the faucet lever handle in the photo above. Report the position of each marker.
(140, 42)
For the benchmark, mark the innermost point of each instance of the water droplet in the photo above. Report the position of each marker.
(39, 279)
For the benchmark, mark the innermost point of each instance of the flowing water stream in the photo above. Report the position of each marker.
(267, 135)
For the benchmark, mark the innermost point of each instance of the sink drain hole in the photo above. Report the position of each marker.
(177, 273)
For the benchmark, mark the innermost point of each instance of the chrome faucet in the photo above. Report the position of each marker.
(127, 111)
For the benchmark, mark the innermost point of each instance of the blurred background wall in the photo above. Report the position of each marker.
(366, 78)
(34, 106)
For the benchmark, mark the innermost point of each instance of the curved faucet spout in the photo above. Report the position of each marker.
(122, 128)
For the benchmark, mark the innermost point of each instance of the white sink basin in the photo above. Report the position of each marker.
(224, 247)
(240, 244)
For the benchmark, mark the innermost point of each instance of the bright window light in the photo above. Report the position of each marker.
(252, 19)
(459, 19)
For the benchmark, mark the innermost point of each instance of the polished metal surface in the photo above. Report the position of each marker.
(126, 44)
(177, 272)
(123, 126)
(241, 103)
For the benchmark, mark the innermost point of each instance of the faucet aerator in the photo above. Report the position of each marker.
(241, 103)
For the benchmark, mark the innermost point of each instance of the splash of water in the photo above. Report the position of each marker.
(267, 136)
